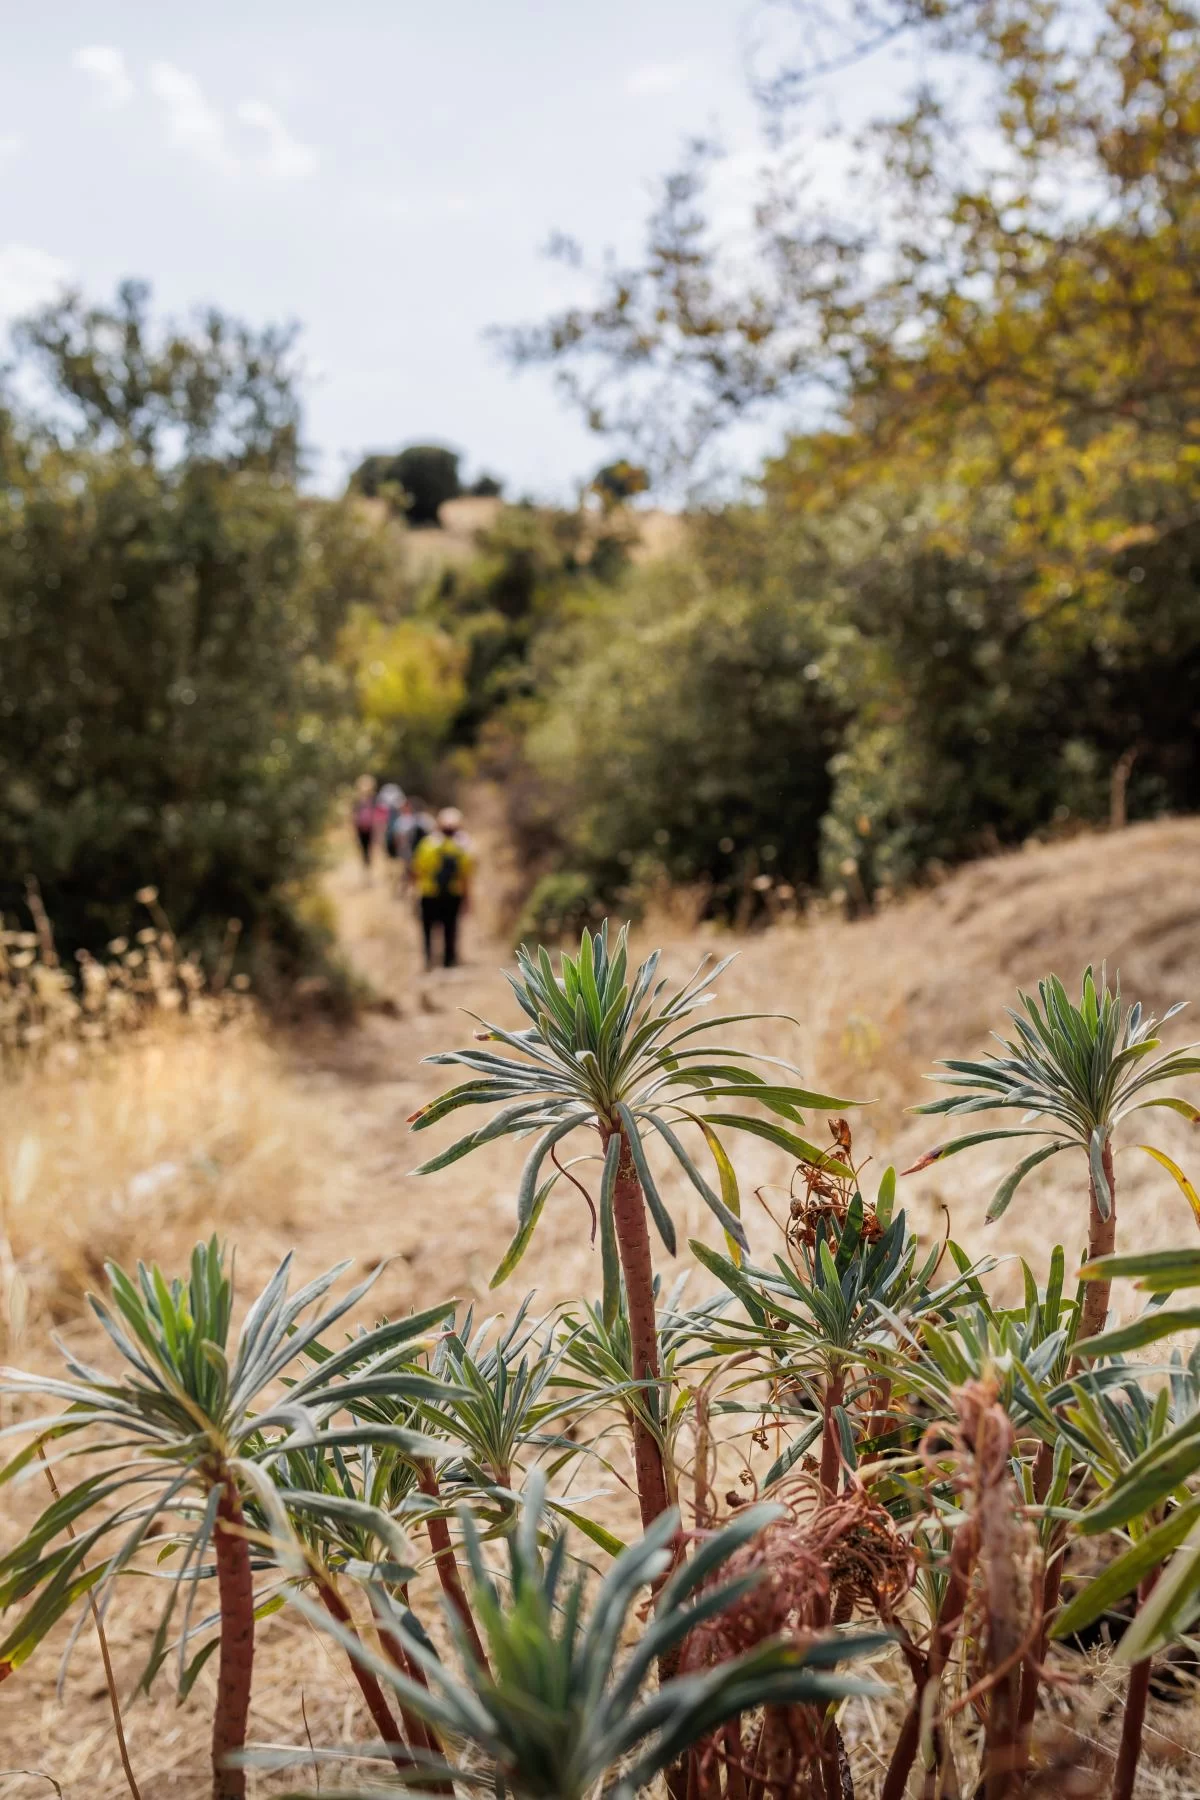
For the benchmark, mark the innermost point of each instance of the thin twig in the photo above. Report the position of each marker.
(995, 1676)
(312, 1747)
(563, 1170)
(110, 1679)
(45, 931)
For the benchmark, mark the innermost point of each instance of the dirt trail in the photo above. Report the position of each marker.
(366, 1083)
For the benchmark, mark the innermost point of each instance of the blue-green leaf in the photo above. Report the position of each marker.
(525, 1231)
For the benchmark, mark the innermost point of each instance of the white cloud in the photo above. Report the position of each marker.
(28, 277)
(285, 157)
(10, 144)
(192, 123)
(105, 66)
(653, 79)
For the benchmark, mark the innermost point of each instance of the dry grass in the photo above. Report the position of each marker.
(453, 542)
(140, 1152)
(307, 1146)
(881, 1001)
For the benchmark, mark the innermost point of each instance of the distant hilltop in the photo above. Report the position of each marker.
(453, 541)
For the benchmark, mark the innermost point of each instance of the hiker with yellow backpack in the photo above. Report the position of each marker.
(441, 871)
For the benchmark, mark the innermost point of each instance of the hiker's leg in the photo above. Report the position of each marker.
(428, 920)
(364, 844)
(451, 905)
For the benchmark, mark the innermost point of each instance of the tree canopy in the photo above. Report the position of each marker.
(415, 481)
(981, 335)
(1003, 293)
(174, 708)
(108, 378)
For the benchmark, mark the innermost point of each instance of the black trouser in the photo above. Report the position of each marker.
(443, 910)
(365, 835)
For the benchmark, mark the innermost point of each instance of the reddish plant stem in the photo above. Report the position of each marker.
(696, 1789)
(633, 1243)
(904, 1753)
(829, 1739)
(1134, 1720)
(447, 1564)
(1000, 1740)
(420, 1735)
(381, 1713)
(831, 1439)
(1102, 1240)
(235, 1665)
(962, 1555)
(735, 1778)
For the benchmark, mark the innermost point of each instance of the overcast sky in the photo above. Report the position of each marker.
(385, 174)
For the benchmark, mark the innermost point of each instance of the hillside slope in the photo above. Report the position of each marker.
(876, 1003)
(880, 1001)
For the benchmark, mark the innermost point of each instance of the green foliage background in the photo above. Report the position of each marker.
(961, 613)
(174, 708)
(168, 712)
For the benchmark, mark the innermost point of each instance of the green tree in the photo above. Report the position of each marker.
(172, 710)
(416, 480)
(410, 687)
(216, 391)
(619, 481)
(1008, 284)
(533, 568)
(638, 773)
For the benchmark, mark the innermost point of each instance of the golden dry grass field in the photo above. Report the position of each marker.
(301, 1145)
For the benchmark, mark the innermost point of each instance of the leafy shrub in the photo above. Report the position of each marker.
(410, 687)
(533, 569)
(688, 729)
(560, 907)
(169, 702)
(883, 705)
(981, 718)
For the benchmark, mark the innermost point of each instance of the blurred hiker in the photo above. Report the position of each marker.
(442, 867)
(363, 815)
(420, 827)
(402, 831)
(387, 815)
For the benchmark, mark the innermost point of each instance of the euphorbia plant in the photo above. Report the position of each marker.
(486, 1404)
(560, 1711)
(1145, 1451)
(597, 1369)
(176, 1439)
(619, 1058)
(1073, 1073)
(823, 1323)
(959, 1441)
